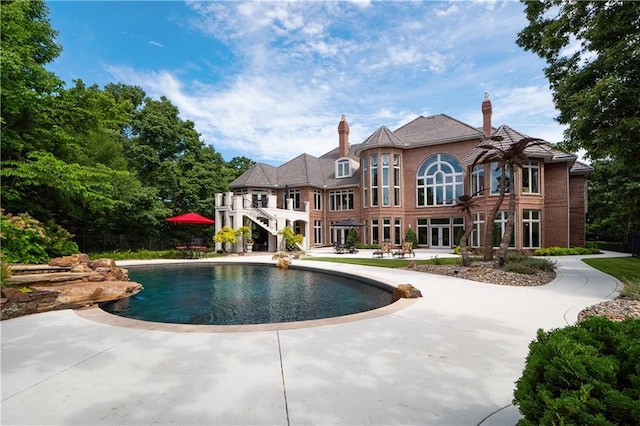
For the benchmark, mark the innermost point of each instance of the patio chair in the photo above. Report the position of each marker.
(405, 250)
(385, 248)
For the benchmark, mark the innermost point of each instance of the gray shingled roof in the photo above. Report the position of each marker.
(436, 129)
(382, 137)
(579, 168)
(501, 139)
(259, 175)
(301, 171)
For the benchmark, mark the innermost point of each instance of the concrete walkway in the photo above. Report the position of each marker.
(451, 358)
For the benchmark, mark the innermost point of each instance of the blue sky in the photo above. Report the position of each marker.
(270, 80)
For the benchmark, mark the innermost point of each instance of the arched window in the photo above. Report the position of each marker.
(439, 181)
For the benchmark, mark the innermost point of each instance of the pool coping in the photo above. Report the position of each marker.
(96, 314)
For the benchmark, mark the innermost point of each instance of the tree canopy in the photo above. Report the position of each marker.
(95, 160)
(592, 49)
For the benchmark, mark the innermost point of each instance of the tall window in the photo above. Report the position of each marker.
(396, 180)
(423, 231)
(531, 228)
(531, 177)
(496, 177)
(458, 230)
(478, 227)
(477, 180)
(375, 232)
(341, 200)
(295, 195)
(499, 226)
(365, 180)
(374, 181)
(397, 230)
(317, 199)
(386, 180)
(439, 181)
(386, 229)
(317, 231)
(344, 169)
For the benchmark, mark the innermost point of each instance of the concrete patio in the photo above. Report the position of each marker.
(450, 358)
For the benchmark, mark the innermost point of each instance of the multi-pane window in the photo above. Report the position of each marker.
(365, 180)
(396, 180)
(375, 232)
(499, 226)
(423, 231)
(344, 169)
(341, 200)
(476, 234)
(294, 194)
(397, 230)
(458, 230)
(439, 181)
(477, 180)
(386, 229)
(317, 199)
(531, 228)
(386, 180)
(496, 178)
(317, 231)
(374, 180)
(531, 177)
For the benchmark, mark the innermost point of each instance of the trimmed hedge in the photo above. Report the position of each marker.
(565, 251)
(586, 374)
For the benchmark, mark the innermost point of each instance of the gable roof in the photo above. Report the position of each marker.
(436, 129)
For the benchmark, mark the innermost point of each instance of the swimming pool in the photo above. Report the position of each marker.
(224, 294)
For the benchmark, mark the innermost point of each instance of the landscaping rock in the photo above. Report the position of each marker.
(405, 291)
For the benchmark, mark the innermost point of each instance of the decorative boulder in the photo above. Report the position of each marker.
(405, 291)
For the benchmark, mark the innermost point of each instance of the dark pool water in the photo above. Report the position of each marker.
(245, 294)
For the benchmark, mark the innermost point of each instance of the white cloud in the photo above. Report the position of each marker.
(155, 43)
(303, 64)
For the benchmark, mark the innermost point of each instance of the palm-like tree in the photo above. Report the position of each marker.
(509, 149)
(465, 203)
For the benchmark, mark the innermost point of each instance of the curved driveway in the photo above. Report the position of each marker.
(451, 358)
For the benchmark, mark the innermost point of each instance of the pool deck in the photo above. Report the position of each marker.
(449, 358)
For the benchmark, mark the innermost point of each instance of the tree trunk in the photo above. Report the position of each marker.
(508, 230)
(464, 241)
(488, 223)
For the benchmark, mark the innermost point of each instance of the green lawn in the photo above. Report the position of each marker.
(385, 262)
(623, 268)
(626, 269)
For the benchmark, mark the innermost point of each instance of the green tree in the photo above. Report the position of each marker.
(592, 51)
(27, 45)
(613, 204)
(508, 149)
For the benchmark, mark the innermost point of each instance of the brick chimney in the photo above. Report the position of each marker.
(343, 137)
(486, 115)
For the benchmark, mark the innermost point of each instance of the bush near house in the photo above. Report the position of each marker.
(565, 251)
(585, 374)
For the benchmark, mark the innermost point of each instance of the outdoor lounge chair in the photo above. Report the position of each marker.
(385, 248)
(405, 250)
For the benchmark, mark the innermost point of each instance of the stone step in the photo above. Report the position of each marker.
(49, 279)
(22, 269)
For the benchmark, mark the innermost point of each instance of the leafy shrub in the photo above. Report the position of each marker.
(523, 264)
(26, 240)
(565, 251)
(583, 374)
(411, 237)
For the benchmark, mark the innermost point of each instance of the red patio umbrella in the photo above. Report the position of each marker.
(191, 218)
